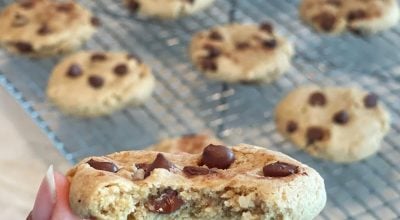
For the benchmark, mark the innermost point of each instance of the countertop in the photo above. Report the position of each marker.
(25, 155)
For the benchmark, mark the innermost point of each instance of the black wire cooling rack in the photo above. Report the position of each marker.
(185, 102)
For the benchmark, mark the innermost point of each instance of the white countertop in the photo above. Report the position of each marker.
(25, 155)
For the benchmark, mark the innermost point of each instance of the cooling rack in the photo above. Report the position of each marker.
(185, 102)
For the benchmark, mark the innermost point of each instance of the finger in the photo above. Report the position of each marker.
(45, 198)
(62, 209)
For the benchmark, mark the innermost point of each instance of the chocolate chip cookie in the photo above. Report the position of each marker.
(358, 16)
(167, 9)
(241, 53)
(191, 143)
(91, 84)
(334, 123)
(45, 27)
(240, 182)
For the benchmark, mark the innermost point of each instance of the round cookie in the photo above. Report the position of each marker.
(358, 16)
(167, 9)
(239, 182)
(241, 53)
(91, 84)
(192, 143)
(334, 123)
(45, 27)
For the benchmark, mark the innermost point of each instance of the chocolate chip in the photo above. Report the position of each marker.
(371, 100)
(317, 99)
(103, 165)
(195, 171)
(74, 70)
(44, 29)
(121, 69)
(336, 3)
(314, 134)
(212, 52)
(167, 202)
(95, 21)
(65, 7)
(266, 26)
(159, 162)
(209, 64)
(356, 15)
(96, 81)
(291, 127)
(133, 5)
(215, 35)
(19, 20)
(242, 45)
(280, 169)
(270, 44)
(217, 156)
(98, 57)
(27, 4)
(24, 47)
(341, 117)
(326, 21)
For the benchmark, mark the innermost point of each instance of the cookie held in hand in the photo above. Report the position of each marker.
(239, 182)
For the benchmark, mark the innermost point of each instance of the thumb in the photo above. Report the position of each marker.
(62, 209)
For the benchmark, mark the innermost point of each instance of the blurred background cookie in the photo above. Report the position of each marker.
(191, 143)
(45, 27)
(98, 83)
(334, 123)
(359, 16)
(246, 53)
(167, 9)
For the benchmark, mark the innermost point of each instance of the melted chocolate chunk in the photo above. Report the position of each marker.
(317, 99)
(371, 100)
(44, 29)
(280, 169)
(24, 47)
(341, 117)
(291, 127)
(195, 171)
(266, 26)
(19, 20)
(356, 15)
(159, 162)
(326, 21)
(98, 57)
(270, 44)
(96, 81)
(212, 51)
(74, 70)
(217, 156)
(209, 64)
(242, 45)
(95, 21)
(166, 202)
(215, 35)
(121, 69)
(314, 134)
(100, 165)
(133, 5)
(65, 7)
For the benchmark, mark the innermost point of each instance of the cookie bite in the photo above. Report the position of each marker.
(341, 124)
(357, 16)
(239, 182)
(241, 53)
(38, 28)
(90, 84)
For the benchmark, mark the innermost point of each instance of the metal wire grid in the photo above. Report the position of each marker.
(185, 102)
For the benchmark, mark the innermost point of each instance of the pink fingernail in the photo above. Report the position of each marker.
(46, 197)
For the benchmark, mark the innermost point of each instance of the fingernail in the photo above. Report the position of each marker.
(45, 198)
